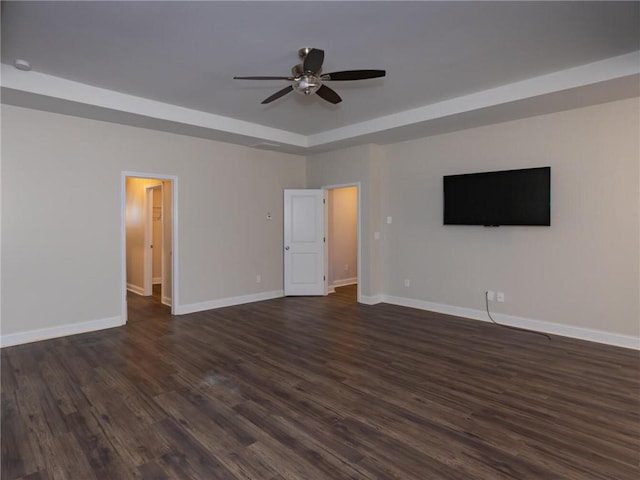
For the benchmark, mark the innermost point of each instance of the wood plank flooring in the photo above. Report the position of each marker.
(317, 388)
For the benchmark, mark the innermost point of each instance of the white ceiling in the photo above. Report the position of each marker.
(449, 64)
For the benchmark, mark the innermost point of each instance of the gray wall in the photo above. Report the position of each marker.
(61, 191)
(581, 272)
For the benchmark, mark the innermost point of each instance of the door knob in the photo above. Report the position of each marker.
(287, 247)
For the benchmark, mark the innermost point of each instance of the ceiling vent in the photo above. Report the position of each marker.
(266, 146)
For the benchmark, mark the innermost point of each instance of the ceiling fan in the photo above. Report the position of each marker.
(307, 77)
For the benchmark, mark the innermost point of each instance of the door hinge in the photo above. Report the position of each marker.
(324, 201)
(324, 239)
(324, 277)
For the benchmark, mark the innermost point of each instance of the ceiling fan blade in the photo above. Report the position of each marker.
(264, 78)
(328, 94)
(278, 94)
(353, 75)
(313, 60)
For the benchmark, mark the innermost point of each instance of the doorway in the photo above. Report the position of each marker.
(149, 234)
(308, 243)
(343, 239)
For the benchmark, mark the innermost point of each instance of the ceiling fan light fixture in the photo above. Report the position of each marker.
(306, 84)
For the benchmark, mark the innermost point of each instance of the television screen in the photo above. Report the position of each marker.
(508, 197)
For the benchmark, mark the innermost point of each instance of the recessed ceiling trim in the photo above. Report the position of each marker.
(576, 77)
(56, 87)
(592, 73)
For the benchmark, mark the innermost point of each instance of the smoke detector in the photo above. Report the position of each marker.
(22, 65)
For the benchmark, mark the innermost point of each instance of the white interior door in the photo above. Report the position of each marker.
(304, 242)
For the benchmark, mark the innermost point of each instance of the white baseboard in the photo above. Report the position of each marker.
(156, 280)
(227, 302)
(371, 300)
(344, 282)
(166, 301)
(626, 341)
(330, 289)
(616, 339)
(135, 289)
(59, 331)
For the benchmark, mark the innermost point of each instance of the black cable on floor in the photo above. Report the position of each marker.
(486, 300)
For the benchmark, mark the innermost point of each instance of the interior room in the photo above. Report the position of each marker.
(148, 246)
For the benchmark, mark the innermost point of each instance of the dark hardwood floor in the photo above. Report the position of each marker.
(317, 388)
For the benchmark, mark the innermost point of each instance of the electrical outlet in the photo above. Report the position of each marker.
(258, 278)
(407, 283)
(500, 297)
(491, 295)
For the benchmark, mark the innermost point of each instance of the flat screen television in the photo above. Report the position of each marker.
(508, 197)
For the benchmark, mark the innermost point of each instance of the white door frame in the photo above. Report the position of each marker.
(359, 208)
(123, 237)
